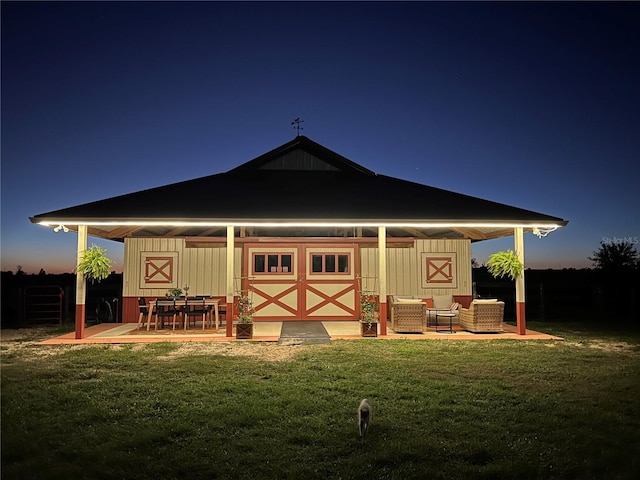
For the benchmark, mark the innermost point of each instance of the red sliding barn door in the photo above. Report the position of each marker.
(302, 282)
(274, 280)
(329, 286)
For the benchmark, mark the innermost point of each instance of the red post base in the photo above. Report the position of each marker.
(521, 323)
(80, 317)
(383, 318)
(229, 319)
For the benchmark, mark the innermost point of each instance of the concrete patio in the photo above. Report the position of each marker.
(107, 333)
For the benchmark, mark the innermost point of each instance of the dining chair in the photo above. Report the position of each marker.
(194, 307)
(165, 309)
(211, 309)
(144, 312)
(222, 307)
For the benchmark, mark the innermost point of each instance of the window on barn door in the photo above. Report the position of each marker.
(330, 263)
(271, 263)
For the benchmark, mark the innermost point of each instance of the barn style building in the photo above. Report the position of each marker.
(303, 230)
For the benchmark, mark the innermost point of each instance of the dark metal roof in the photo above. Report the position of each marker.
(300, 181)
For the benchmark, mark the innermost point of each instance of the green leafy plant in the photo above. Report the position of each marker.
(369, 308)
(505, 263)
(174, 293)
(245, 309)
(94, 264)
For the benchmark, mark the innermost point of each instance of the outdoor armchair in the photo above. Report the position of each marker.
(482, 316)
(408, 315)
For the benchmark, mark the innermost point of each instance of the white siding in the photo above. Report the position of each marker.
(202, 269)
(404, 267)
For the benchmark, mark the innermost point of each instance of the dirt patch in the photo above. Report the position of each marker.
(22, 334)
(23, 342)
(264, 351)
(18, 341)
(614, 346)
(608, 346)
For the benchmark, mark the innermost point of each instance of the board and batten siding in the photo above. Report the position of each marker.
(202, 269)
(405, 269)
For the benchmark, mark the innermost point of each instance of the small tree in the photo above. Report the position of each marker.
(615, 256)
(618, 268)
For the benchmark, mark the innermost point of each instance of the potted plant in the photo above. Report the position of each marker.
(95, 266)
(174, 293)
(505, 263)
(244, 320)
(369, 315)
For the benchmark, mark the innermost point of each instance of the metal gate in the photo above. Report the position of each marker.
(43, 305)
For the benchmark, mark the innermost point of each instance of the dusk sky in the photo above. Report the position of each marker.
(536, 105)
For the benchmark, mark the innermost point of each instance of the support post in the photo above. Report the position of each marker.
(81, 284)
(382, 277)
(229, 286)
(521, 323)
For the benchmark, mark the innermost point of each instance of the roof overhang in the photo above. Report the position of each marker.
(300, 189)
(118, 229)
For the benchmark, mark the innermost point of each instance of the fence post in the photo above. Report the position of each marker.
(21, 308)
(68, 291)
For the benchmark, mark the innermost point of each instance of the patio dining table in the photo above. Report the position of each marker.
(211, 304)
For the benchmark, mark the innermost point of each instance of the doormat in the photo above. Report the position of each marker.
(295, 333)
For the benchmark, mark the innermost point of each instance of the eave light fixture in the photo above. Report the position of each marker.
(61, 227)
(543, 232)
(543, 228)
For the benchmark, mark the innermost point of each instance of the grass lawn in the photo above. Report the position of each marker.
(442, 409)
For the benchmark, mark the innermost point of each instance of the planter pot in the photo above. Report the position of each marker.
(244, 330)
(369, 329)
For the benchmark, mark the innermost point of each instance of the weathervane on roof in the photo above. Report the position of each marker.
(296, 123)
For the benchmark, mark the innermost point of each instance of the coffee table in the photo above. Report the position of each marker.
(431, 310)
(448, 315)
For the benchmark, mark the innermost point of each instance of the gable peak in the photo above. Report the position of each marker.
(302, 154)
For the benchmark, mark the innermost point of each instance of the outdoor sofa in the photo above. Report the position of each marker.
(441, 303)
